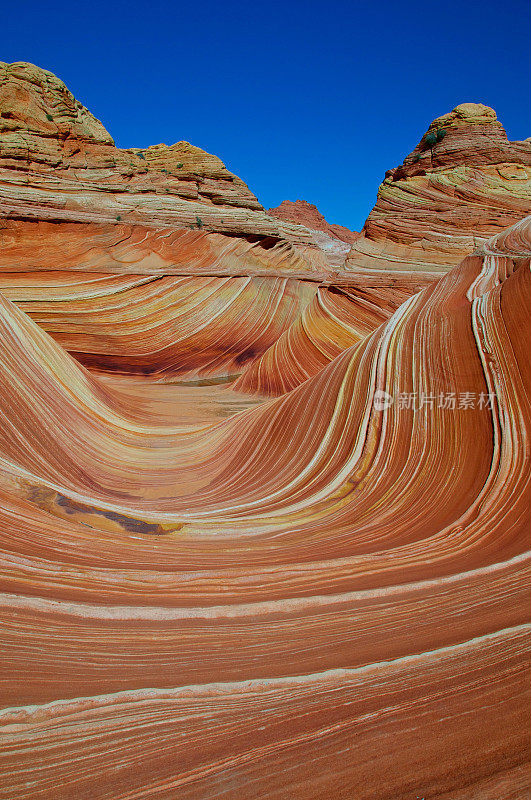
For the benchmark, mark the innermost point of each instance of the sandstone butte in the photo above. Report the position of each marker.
(303, 213)
(207, 592)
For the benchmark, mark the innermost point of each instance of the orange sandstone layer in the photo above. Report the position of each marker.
(165, 325)
(302, 213)
(59, 164)
(338, 317)
(320, 596)
(107, 230)
(112, 235)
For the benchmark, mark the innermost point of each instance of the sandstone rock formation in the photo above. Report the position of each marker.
(207, 593)
(463, 183)
(302, 213)
(338, 317)
(131, 224)
(229, 604)
(59, 164)
(106, 228)
(333, 240)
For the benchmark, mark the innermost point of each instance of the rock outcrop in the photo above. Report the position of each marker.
(463, 183)
(113, 233)
(59, 164)
(207, 593)
(45, 129)
(110, 229)
(302, 213)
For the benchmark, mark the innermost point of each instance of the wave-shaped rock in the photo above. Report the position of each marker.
(161, 325)
(132, 223)
(204, 594)
(305, 582)
(463, 182)
(338, 317)
(82, 212)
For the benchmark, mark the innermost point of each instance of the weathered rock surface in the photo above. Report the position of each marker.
(338, 317)
(59, 164)
(302, 213)
(45, 128)
(72, 202)
(106, 228)
(463, 183)
(333, 240)
(320, 579)
(208, 594)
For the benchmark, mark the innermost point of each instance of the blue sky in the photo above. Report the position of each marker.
(308, 100)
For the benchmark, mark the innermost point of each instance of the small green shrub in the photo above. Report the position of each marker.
(118, 218)
(199, 222)
(141, 155)
(441, 133)
(49, 117)
(431, 139)
(180, 165)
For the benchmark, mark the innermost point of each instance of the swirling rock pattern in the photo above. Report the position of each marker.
(338, 317)
(314, 597)
(70, 201)
(209, 594)
(161, 325)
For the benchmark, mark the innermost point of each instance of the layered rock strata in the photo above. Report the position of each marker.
(463, 183)
(230, 604)
(130, 245)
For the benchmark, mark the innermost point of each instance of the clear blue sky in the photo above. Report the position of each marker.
(312, 100)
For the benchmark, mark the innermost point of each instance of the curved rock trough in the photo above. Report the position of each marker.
(263, 510)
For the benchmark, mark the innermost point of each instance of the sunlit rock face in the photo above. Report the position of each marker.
(105, 228)
(164, 326)
(116, 236)
(228, 603)
(463, 183)
(210, 593)
(59, 164)
(302, 213)
(339, 316)
(334, 240)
